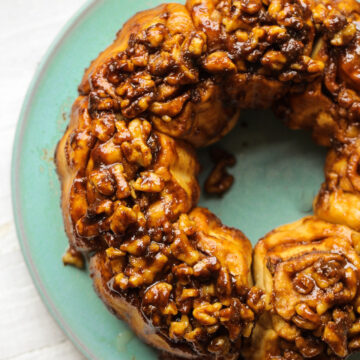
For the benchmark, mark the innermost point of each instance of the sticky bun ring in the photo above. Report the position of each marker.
(175, 79)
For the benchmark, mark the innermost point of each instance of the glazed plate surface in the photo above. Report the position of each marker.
(278, 172)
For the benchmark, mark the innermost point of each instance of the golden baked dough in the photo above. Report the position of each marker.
(309, 271)
(174, 79)
(339, 198)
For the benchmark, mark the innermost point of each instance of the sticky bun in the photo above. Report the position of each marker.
(309, 271)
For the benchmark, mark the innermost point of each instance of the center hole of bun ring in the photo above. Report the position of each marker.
(277, 174)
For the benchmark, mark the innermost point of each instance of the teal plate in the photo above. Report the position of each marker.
(277, 174)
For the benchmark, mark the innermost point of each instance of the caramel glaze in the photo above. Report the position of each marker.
(175, 79)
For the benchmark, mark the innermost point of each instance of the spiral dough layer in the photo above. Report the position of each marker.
(309, 271)
(174, 79)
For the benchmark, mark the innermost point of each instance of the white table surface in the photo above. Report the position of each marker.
(27, 28)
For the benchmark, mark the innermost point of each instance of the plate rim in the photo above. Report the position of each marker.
(17, 147)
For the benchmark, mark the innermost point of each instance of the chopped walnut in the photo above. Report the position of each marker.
(155, 35)
(207, 314)
(219, 61)
(170, 108)
(103, 181)
(122, 186)
(158, 294)
(182, 249)
(137, 150)
(344, 36)
(303, 284)
(103, 127)
(122, 218)
(149, 181)
(178, 328)
(274, 60)
(136, 246)
(219, 181)
(113, 253)
(74, 258)
(198, 44)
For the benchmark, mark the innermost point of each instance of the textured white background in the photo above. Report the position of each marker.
(27, 28)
